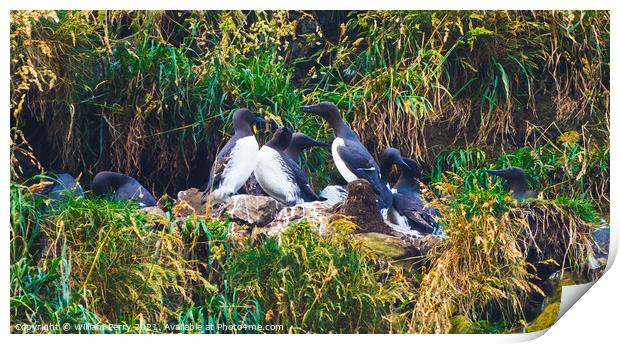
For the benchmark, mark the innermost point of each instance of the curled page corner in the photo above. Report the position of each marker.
(570, 295)
(613, 247)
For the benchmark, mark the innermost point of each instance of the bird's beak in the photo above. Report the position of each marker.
(307, 108)
(498, 173)
(319, 143)
(400, 162)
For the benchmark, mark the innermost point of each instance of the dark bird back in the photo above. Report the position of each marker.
(409, 208)
(122, 187)
(62, 184)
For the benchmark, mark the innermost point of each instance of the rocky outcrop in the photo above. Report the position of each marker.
(249, 211)
(384, 245)
(600, 248)
(422, 244)
(317, 212)
(252, 210)
(597, 260)
(192, 202)
(155, 211)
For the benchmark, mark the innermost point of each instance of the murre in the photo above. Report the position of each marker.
(62, 184)
(408, 209)
(388, 158)
(122, 187)
(517, 181)
(299, 143)
(352, 159)
(236, 161)
(278, 175)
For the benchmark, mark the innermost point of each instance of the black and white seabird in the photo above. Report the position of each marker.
(408, 209)
(278, 175)
(352, 159)
(122, 187)
(62, 184)
(517, 180)
(236, 161)
(299, 143)
(388, 158)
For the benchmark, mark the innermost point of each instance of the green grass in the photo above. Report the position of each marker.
(101, 261)
(319, 285)
(106, 262)
(115, 82)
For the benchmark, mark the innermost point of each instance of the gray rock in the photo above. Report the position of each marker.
(421, 243)
(597, 259)
(600, 237)
(252, 210)
(317, 212)
(154, 211)
(192, 197)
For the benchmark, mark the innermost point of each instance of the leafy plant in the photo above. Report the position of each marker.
(313, 284)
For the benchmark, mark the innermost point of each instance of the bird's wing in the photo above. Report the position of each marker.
(361, 163)
(134, 190)
(147, 198)
(300, 178)
(414, 213)
(219, 165)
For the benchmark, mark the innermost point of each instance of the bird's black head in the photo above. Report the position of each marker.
(281, 138)
(413, 168)
(327, 110)
(303, 141)
(391, 156)
(299, 143)
(104, 182)
(511, 174)
(244, 118)
(517, 179)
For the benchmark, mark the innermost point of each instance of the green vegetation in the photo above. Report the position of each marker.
(321, 285)
(151, 93)
(106, 262)
(484, 271)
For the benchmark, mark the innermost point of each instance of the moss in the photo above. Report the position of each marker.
(546, 319)
(460, 324)
(382, 244)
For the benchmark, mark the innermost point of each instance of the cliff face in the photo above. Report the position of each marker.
(151, 93)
